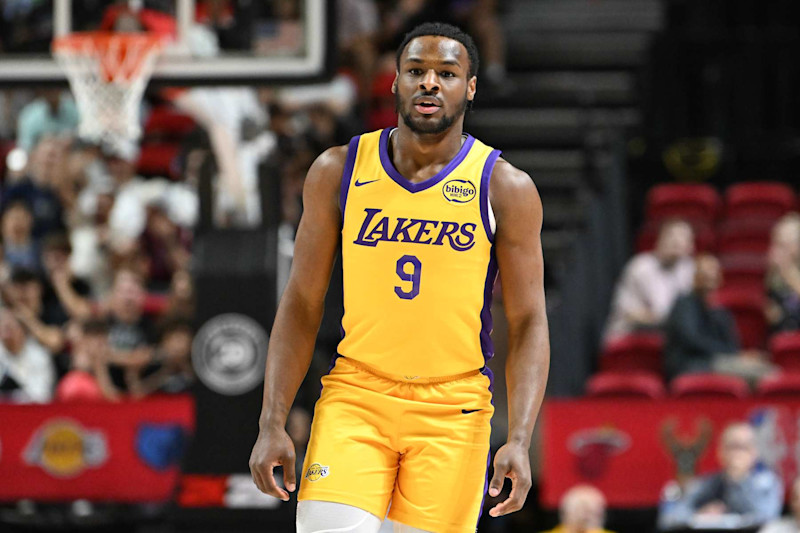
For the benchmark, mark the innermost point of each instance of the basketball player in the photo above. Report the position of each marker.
(425, 214)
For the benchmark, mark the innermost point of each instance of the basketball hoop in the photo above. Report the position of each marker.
(108, 72)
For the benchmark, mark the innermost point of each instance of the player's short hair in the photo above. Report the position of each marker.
(441, 29)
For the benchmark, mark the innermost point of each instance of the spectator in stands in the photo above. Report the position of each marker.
(88, 378)
(24, 297)
(166, 245)
(358, 24)
(27, 373)
(90, 240)
(783, 276)
(652, 281)
(53, 112)
(56, 253)
(128, 215)
(703, 338)
(742, 494)
(131, 332)
(180, 302)
(171, 369)
(39, 187)
(582, 510)
(790, 524)
(19, 247)
(236, 125)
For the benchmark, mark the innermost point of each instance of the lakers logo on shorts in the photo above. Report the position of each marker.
(316, 472)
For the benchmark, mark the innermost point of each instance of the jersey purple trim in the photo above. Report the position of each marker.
(347, 173)
(486, 176)
(487, 346)
(410, 186)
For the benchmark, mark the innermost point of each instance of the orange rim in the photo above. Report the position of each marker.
(121, 55)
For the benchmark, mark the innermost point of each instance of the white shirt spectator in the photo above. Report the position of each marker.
(784, 525)
(38, 118)
(648, 286)
(32, 369)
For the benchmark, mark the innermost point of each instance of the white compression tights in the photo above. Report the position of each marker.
(328, 517)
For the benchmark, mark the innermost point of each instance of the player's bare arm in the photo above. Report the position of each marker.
(297, 320)
(518, 211)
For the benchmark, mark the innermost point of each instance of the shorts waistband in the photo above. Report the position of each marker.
(410, 379)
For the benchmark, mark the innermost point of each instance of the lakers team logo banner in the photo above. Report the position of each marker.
(64, 448)
(125, 451)
(630, 451)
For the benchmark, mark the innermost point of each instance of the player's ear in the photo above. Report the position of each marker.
(472, 88)
(394, 83)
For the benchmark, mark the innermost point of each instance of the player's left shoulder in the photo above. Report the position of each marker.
(511, 189)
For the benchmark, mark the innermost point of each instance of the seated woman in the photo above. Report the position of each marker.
(783, 275)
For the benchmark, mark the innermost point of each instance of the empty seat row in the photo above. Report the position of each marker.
(737, 235)
(643, 352)
(700, 202)
(647, 385)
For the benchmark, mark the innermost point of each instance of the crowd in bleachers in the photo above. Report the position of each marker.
(97, 301)
(726, 320)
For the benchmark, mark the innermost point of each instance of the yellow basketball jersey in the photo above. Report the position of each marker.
(418, 262)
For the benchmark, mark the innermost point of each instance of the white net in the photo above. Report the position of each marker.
(107, 73)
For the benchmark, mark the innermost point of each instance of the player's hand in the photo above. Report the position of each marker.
(273, 448)
(511, 461)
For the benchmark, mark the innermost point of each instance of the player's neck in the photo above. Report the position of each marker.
(412, 152)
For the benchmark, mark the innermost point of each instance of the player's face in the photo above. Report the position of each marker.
(432, 85)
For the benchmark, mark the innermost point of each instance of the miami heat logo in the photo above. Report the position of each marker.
(459, 191)
(316, 472)
(594, 448)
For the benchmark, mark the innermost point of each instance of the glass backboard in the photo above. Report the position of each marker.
(210, 41)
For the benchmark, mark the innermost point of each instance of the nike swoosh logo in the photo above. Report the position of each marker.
(468, 411)
(360, 183)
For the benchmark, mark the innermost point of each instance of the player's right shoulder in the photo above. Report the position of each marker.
(332, 161)
(324, 178)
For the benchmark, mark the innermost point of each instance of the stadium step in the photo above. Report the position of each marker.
(535, 160)
(589, 50)
(570, 88)
(527, 128)
(585, 15)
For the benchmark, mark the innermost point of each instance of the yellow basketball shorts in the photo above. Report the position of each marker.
(423, 447)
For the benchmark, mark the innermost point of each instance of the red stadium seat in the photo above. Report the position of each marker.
(708, 386)
(780, 386)
(747, 307)
(705, 239)
(156, 159)
(155, 304)
(744, 270)
(689, 201)
(167, 122)
(785, 350)
(636, 352)
(645, 385)
(750, 235)
(769, 200)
